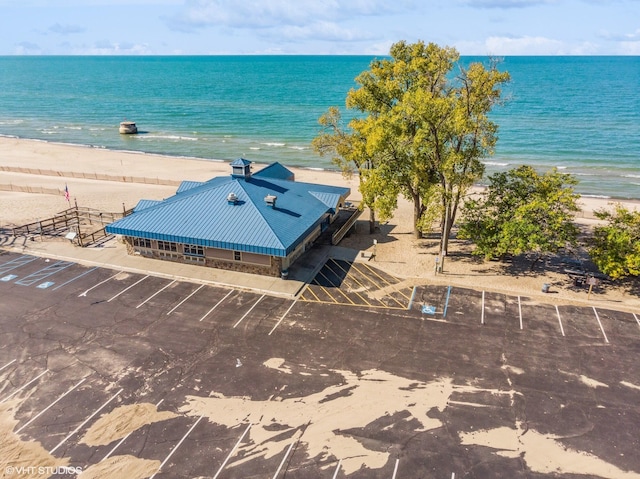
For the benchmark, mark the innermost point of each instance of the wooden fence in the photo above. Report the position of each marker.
(70, 219)
(32, 189)
(89, 176)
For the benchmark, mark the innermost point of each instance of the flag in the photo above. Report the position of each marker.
(66, 193)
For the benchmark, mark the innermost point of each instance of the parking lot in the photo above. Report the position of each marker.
(129, 375)
(356, 284)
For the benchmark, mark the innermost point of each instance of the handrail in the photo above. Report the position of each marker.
(338, 235)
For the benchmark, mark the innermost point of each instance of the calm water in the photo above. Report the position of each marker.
(580, 114)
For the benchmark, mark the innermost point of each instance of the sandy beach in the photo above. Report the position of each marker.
(33, 176)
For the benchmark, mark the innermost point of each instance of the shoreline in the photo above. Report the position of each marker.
(89, 147)
(109, 179)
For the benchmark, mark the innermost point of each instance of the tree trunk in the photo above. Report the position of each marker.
(445, 228)
(535, 261)
(417, 213)
(372, 220)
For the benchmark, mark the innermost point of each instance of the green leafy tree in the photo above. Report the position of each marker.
(520, 212)
(348, 152)
(424, 121)
(615, 247)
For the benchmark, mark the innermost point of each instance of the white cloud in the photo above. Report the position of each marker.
(66, 29)
(523, 46)
(85, 3)
(624, 37)
(526, 45)
(324, 31)
(27, 48)
(506, 4)
(629, 48)
(106, 47)
(270, 13)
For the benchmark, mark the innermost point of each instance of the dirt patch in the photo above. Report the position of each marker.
(21, 455)
(323, 420)
(121, 466)
(122, 421)
(544, 453)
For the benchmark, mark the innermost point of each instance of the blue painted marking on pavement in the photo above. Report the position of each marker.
(428, 309)
(45, 285)
(8, 277)
(446, 303)
(16, 263)
(44, 273)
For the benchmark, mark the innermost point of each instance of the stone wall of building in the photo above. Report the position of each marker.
(273, 270)
(272, 266)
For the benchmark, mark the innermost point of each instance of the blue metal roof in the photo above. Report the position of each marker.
(276, 171)
(240, 162)
(332, 200)
(201, 214)
(187, 185)
(142, 204)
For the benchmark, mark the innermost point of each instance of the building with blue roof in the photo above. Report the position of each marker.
(259, 223)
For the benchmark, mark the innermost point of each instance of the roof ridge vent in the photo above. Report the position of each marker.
(232, 199)
(270, 200)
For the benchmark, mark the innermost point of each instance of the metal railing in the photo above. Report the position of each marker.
(344, 229)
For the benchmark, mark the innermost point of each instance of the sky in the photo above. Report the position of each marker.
(317, 27)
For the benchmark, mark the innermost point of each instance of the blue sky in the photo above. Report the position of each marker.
(333, 27)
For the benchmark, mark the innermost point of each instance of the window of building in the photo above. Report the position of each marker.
(142, 242)
(194, 259)
(193, 250)
(167, 246)
(237, 256)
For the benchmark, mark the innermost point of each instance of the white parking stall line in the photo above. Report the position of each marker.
(100, 283)
(250, 309)
(25, 386)
(482, 314)
(156, 293)
(284, 459)
(185, 299)
(335, 474)
(232, 452)
(123, 439)
(395, 469)
(49, 406)
(601, 328)
(282, 317)
(177, 446)
(413, 295)
(559, 320)
(127, 289)
(72, 433)
(73, 279)
(8, 364)
(216, 305)
(637, 320)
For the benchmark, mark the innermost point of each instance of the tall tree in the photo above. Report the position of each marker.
(520, 212)
(615, 247)
(427, 128)
(348, 152)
